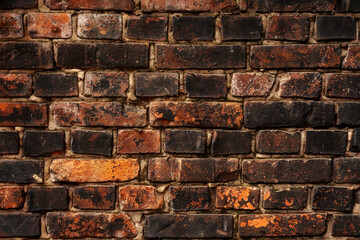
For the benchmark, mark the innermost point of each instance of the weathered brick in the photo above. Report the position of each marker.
(226, 169)
(300, 85)
(9, 143)
(346, 225)
(296, 56)
(244, 28)
(11, 25)
(210, 114)
(43, 143)
(11, 197)
(11, 4)
(332, 199)
(99, 26)
(19, 225)
(82, 225)
(252, 84)
(347, 6)
(147, 27)
(26, 55)
(185, 141)
(24, 171)
(94, 197)
(161, 169)
(137, 142)
(289, 199)
(92, 142)
(288, 28)
(47, 198)
(291, 225)
(76, 55)
(106, 84)
(207, 57)
(156, 84)
(188, 5)
(15, 85)
(278, 142)
(195, 170)
(189, 226)
(93, 170)
(346, 170)
(342, 85)
(123, 5)
(103, 114)
(292, 5)
(335, 28)
(189, 198)
(287, 171)
(355, 141)
(227, 142)
(352, 59)
(205, 85)
(49, 25)
(55, 85)
(326, 142)
(188, 28)
(349, 114)
(134, 198)
(23, 114)
(238, 198)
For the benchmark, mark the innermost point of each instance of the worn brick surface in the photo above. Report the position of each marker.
(292, 6)
(43, 143)
(326, 142)
(332, 199)
(24, 171)
(355, 141)
(136, 142)
(47, 199)
(239, 198)
(205, 85)
(251, 84)
(147, 27)
(134, 198)
(187, 28)
(23, 114)
(124, 5)
(184, 141)
(49, 25)
(55, 85)
(15, 85)
(9, 143)
(349, 114)
(345, 170)
(11, 25)
(106, 84)
(352, 59)
(300, 85)
(99, 26)
(188, 5)
(234, 27)
(231, 142)
(346, 225)
(157, 84)
(288, 199)
(288, 28)
(19, 225)
(94, 197)
(189, 198)
(342, 85)
(278, 142)
(11, 4)
(92, 142)
(335, 28)
(11, 197)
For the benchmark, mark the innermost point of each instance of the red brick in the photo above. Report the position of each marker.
(23, 114)
(94, 197)
(239, 198)
(342, 85)
(187, 28)
(226, 169)
(195, 170)
(352, 59)
(189, 198)
(11, 4)
(103, 114)
(15, 85)
(290, 225)
(147, 27)
(188, 5)
(123, 5)
(99, 26)
(161, 169)
(279, 142)
(49, 25)
(11, 197)
(287, 199)
(296, 56)
(300, 85)
(170, 114)
(11, 25)
(134, 198)
(288, 28)
(106, 84)
(292, 5)
(82, 225)
(252, 84)
(137, 142)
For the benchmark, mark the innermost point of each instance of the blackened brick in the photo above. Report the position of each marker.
(333, 199)
(19, 225)
(252, 84)
(76, 55)
(342, 85)
(347, 6)
(239, 198)
(185, 141)
(235, 27)
(289, 199)
(292, 5)
(94, 197)
(321, 115)
(156, 84)
(227, 142)
(335, 28)
(189, 6)
(55, 85)
(106, 84)
(187, 28)
(326, 142)
(352, 59)
(349, 114)
(47, 198)
(124, 5)
(161, 169)
(279, 142)
(11, 4)
(300, 85)
(15, 85)
(11, 25)
(24, 171)
(11, 197)
(189, 198)
(346, 225)
(99, 26)
(226, 169)
(92, 142)
(195, 170)
(205, 85)
(147, 27)
(43, 143)
(23, 114)
(346, 170)
(355, 141)
(288, 28)
(9, 143)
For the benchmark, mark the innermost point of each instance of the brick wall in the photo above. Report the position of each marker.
(179, 119)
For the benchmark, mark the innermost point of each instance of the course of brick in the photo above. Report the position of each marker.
(186, 119)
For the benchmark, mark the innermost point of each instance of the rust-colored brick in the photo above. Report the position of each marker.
(11, 197)
(137, 142)
(11, 25)
(134, 198)
(239, 198)
(49, 25)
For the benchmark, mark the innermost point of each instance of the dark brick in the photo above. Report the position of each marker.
(239, 198)
(9, 143)
(296, 56)
(335, 28)
(99, 26)
(23, 114)
(188, 28)
(346, 225)
(186, 114)
(346, 170)
(349, 114)
(207, 57)
(134, 198)
(292, 5)
(252, 84)
(161, 169)
(19, 225)
(326, 142)
(11, 4)
(231, 142)
(43, 143)
(332, 199)
(147, 27)
(287, 171)
(24, 171)
(76, 55)
(56, 85)
(289, 225)
(185, 141)
(352, 59)
(106, 84)
(92, 142)
(347, 6)
(289, 199)
(342, 85)
(205, 85)
(11, 25)
(26, 55)
(89, 225)
(300, 85)
(189, 198)
(355, 141)
(189, 6)
(226, 169)
(47, 198)
(15, 85)
(235, 27)
(195, 170)
(189, 226)
(124, 5)
(278, 142)
(94, 197)
(137, 142)
(321, 115)
(11, 197)
(156, 84)
(288, 28)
